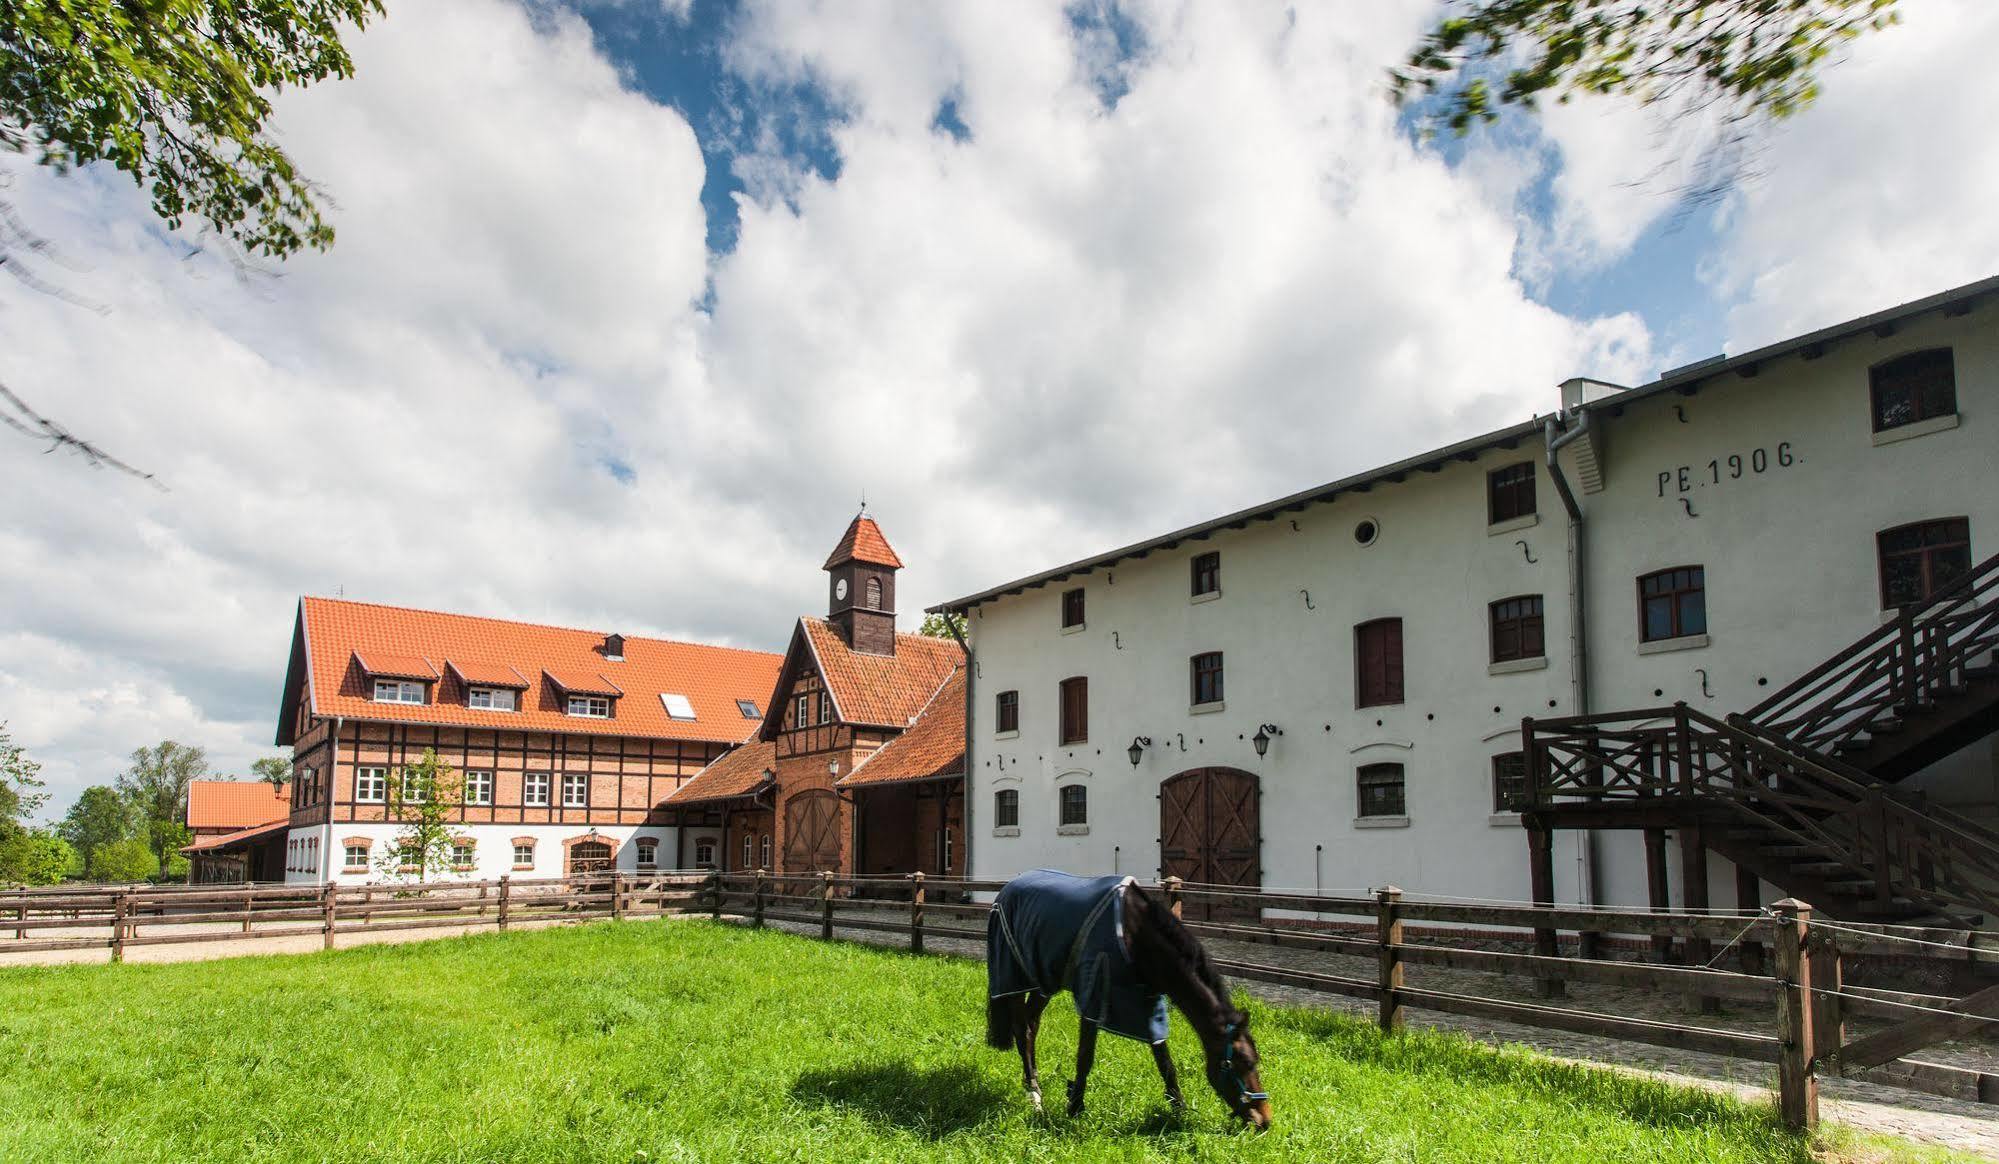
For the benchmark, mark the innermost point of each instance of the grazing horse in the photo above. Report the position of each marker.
(1122, 955)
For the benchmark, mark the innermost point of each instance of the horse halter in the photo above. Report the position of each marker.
(1228, 1064)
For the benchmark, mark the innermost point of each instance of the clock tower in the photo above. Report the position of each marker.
(861, 588)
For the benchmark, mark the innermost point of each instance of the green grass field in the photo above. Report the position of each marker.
(695, 1041)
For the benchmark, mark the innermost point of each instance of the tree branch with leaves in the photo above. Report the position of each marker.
(424, 801)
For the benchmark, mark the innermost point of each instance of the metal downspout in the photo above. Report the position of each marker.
(1578, 560)
(965, 787)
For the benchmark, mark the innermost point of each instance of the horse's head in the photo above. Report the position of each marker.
(1232, 1071)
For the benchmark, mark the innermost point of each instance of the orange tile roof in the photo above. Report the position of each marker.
(736, 773)
(712, 678)
(582, 682)
(207, 844)
(388, 666)
(471, 672)
(863, 542)
(881, 690)
(935, 746)
(235, 804)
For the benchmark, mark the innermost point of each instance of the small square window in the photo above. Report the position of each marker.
(1509, 492)
(371, 785)
(1517, 628)
(490, 699)
(1672, 604)
(524, 853)
(1072, 608)
(1207, 574)
(461, 854)
(1075, 802)
(478, 788)
(398, 691)
(1918, 386)
(575, 790)
(357, 858)
(1920, 561)
(648, 850)
(1381, 790)
(534, 789)
(1006, 711)
(1006, 808)
(591, 706)
(1207, 673)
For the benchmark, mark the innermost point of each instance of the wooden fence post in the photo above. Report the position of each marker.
(1541, 871)
(21, 913)
(1828, 1008)
(826, 909)
(506, 888)
(1797, 1086)
(1388, 933)
(757, 904)
(916, 913)
(118, 914)
(715, 888)
(617, 897)
(328, 896)
(1173, 886)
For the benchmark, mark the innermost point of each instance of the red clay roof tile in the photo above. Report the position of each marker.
(235, 804)
(712, 678)
(207, 844)
(934, 747)
(582, 682)
(881, 690)
(736, 773)
(384, 665)
(473, 673)
(863, 542)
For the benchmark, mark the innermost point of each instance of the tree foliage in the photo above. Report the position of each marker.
(20, 787)
(424, 802)
(275, 770)
(35, 857)
(176, 93)
(938, 624)
(123, 861)
(1752, 56)
(156, 787)
(100, 816)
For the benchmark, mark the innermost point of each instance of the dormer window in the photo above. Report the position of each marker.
(591, 706)
(614, 648)
(490, 698)
(677, 706)
(399, 691)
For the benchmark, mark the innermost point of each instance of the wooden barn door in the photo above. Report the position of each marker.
(812, 832)
(1210, 834)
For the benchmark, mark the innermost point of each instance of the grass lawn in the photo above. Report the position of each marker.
(696, 1041)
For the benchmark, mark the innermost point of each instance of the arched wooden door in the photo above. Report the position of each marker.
(812, 832)
(1210, 833)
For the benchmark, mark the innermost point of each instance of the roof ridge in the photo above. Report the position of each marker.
(538, 625)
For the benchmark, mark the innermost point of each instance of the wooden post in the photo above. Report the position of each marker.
(617, 897)
(249, 907)
(1693, 891)
(826, 908)
(506, 888)
(715, 888)
(1828, 1008)
(762, 891)
(327, 898)
(21, 913)
(1749, 896)
(482, 899)
(1798, 1087)
(1173, 887)
(118, 913)
(1388, 934)
(1656, 890)
(916, 913)
(1541, 873)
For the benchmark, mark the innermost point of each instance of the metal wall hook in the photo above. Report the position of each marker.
(1182, 737)
(1681, 413)
(1526, 551)
(1702, 672)
(1115, 644)
(1294, 526)
(1308, 600)
(1689, 507)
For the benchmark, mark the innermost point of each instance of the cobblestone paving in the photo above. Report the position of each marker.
(1868, 1107)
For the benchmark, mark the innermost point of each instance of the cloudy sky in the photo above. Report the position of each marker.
(632, 301)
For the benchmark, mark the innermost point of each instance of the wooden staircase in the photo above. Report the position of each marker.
(1800, 790)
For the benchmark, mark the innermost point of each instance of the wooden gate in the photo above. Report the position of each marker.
(1210, 833)
(812, 832)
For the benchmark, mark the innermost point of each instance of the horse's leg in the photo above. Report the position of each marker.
(1164, 1059)
(1027, 1024)
(1086, 1056)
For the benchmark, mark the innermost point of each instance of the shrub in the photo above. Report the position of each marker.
(123, 861)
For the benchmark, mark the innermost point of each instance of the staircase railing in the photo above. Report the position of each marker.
(1902, 665)
(1676, 755)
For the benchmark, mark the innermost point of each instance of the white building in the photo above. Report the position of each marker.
(1735, 524)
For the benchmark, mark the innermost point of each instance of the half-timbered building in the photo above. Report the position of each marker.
(239, 828)
(858, 764)
(566, 742)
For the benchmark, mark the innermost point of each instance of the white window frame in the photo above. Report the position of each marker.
(706, 845)
(534, 789)
(369, 778)
(591, 706)
(470, 849)
(400, 691)
(647, 852)
(678, 707)
(763, 852)
(579, 784)
(410, 796)
(749, 851)
(351, 865)
(479, 787)
(530, 854)
(491, 698)
(802, 714)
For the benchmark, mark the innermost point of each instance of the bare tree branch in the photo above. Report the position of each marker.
(35, 426)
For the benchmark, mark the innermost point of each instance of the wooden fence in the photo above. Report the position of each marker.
(1799, 985)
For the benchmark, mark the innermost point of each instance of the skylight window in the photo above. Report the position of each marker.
(677, 706)
(749, 709)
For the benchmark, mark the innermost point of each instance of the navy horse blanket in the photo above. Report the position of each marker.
(1051, 931)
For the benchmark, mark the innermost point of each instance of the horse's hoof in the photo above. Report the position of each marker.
(1034, 1100)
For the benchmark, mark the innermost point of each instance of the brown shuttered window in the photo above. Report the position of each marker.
(1918, 386)
(1509, 781)
(1516, 629)
(1072, 608)
(1207, 678)
(1918, 561)
(1509, 492)
(1378, 662)
(1207, 573)
(1075, 710)
(1006, 711)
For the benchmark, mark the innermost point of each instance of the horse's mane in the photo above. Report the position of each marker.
(1182, 942)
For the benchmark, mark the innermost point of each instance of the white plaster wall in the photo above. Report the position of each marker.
(1791, 578)
(493, 849)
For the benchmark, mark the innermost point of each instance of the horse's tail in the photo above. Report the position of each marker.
(999, 1023)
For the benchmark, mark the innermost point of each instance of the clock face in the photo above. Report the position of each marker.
(840, 588)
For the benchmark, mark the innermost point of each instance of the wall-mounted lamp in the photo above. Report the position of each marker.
(1261, 740)
(832, 767)
(1137, 749)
